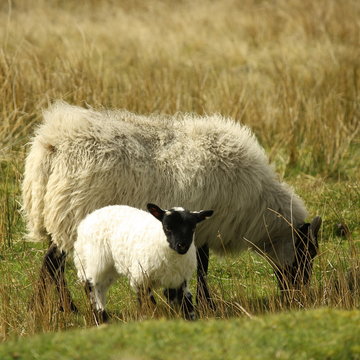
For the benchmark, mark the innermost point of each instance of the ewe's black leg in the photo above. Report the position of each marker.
(184, 298)
(202, 293)
(53, 267)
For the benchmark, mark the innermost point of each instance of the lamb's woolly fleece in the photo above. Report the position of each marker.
(81, 160)
(127, 241)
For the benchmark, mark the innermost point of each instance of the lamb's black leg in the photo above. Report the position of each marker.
(147, 293)
(53, 267)
(151, 296)
(101, 316)
(202, 293)
(184, 298)
(171, 295)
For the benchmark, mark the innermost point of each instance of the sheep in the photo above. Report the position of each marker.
(150, 249)
(81, 160)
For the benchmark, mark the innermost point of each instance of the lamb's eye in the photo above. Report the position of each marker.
(167, 229)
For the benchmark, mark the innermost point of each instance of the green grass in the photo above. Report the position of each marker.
(317, 334)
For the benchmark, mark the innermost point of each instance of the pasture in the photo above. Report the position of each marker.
(288, 69)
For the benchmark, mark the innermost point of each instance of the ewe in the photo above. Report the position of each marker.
(81, 160)
(154, 250)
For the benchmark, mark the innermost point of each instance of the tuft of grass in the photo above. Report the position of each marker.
(316, 334)
(11, 223)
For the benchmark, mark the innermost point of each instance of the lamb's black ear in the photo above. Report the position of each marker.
(314, 229)
(203, 214)
(156, 211)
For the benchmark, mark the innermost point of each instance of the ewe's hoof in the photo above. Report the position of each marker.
(207, 303)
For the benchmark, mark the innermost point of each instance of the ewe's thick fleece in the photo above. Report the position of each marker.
(81, 160)
(131, 242)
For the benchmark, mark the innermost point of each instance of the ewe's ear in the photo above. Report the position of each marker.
(156, 211)
(203, 214)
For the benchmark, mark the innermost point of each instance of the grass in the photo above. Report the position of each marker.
(288, 69)
(316, 334)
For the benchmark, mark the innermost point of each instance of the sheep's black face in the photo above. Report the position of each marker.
(306, 249)
(179, 225)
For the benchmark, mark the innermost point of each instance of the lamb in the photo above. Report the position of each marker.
(81, 160)
(150, 250)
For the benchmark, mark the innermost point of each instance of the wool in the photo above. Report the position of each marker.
(81, 160)
(122, 240)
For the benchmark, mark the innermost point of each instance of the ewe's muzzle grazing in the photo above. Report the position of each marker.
(306, 248)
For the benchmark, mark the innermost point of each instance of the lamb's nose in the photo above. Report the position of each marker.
(181, 247)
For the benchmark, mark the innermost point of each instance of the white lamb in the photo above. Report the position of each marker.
(153, 249)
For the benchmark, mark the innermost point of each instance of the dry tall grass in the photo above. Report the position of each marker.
(288, 68)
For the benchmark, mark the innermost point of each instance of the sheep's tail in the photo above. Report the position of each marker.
(60, 121)
(37, 171)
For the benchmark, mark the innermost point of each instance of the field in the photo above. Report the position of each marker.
(290, 69)
(320, 334)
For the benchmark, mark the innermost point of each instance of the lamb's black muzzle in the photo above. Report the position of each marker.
(181, 248)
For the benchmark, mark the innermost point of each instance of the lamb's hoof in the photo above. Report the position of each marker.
(105, 317)
(101, 317)
(72, 308)
(190, 316)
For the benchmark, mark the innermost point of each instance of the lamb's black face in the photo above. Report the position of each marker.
(179, 225)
